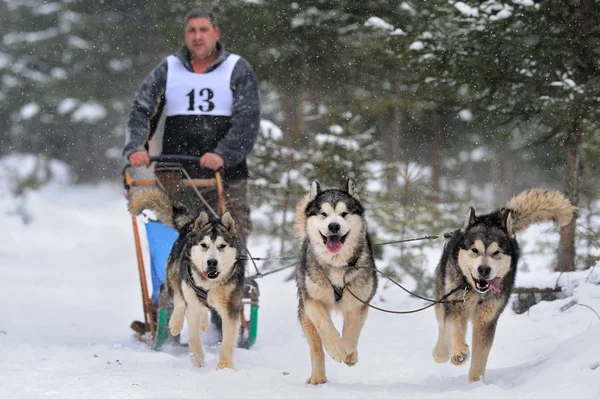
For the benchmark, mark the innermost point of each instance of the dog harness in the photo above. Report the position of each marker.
(200, 292)
(338, 291)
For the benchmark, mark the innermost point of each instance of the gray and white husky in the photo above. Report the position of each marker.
(479, 263)
(333, 231)
(204, 271)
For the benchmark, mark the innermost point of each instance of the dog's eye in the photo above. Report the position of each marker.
(203, 245)
(475, 251)
(222, 246)
(323, 214)
(344, 214)
(496, 253)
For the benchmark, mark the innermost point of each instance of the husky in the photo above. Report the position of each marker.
(204, 271)
(332, 228)
(478, 269)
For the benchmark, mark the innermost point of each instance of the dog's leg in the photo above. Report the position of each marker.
(317, 356)
(177, 317)
(231, 327)
(196, 315)
(456, 325)
(483, 338)
(321, 318)
(354, 320)
(441, 351)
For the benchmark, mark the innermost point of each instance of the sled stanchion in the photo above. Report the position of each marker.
(141, 269)
(220, 192)
(253, 330)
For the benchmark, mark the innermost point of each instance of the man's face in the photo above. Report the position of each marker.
(201, 37)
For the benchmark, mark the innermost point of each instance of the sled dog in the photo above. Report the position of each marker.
(331, 226)
(479, 262)
(204, 271)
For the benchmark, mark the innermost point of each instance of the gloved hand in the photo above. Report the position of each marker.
(210, 160)
(139, 158)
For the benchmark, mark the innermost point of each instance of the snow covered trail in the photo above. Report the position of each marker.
(69, 289)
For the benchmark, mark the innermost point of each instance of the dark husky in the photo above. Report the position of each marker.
(204, 270)
(333, 230)
(480, 261)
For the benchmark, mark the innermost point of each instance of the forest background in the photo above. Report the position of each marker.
(430, 106)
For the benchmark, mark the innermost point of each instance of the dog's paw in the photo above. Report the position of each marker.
(176, 323)
(316, 379)
(476, 376)
(225, 364)
(460, 355)
(196, 353)
(197, 358)
(441, 353)
(352, 358)
(337, 350)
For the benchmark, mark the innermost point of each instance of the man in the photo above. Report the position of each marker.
(211, 102)
(210, 98)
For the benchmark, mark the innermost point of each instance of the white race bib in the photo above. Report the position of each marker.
(190, 93)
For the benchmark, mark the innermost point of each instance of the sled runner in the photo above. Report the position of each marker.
(157, 305)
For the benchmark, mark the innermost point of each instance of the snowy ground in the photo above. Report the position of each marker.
(69, 289)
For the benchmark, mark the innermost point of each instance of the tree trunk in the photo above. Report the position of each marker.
(391, 140)
(584, 72)
(437, 156)
(566, 246)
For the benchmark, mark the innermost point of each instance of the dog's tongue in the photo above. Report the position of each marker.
(495, 283)
(334, 245)
(205, 274)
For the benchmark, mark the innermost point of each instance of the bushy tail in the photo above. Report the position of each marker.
(154, 199)
(540, 205)
(300, 223)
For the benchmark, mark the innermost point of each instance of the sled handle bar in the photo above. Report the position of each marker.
(175, 158)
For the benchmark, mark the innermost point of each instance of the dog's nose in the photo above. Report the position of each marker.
(484, 271)
(212, 263)
(334, 227)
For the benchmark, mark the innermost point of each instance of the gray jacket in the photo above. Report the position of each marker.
(232, 137)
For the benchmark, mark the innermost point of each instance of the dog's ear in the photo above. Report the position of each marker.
(181, 215)
(351, 189)
(315, 189)
(201, 221)
(508, 223)
(469, 220)
(228, 221)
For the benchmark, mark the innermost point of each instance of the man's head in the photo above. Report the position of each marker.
(201, 33)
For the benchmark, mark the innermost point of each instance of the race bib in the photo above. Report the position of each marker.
(190, 93)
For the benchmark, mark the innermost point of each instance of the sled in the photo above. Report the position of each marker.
(157, 307)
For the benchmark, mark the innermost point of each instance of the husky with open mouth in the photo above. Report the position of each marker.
(332, 228)
(204, 271)
(479, 264)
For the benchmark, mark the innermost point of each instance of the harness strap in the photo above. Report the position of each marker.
(200, 292)
(338, 291)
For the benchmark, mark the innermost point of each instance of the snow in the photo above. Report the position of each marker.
(29, 110)
(465, 115)
(418, 45)
(70, 288)
(466, 10)
(89, 112)
(379, 23)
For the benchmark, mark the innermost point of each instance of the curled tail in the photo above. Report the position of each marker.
(539, 205)
(154, 199)
(300, 223)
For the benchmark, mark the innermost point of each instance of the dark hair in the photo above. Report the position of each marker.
(202, 13)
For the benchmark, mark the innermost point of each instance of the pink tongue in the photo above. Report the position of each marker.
(495, 283)
(334, 245)
(205, 274)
